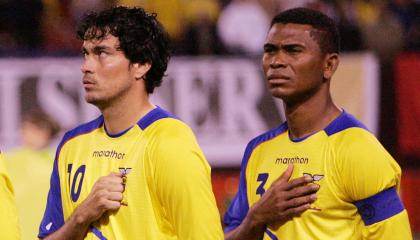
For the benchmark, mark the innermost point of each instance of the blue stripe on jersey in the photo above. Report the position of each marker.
(98, 233)
(239, 207)
(380, 206)
(154, 115)
(271, 235)
(53, 217)
(342, 122)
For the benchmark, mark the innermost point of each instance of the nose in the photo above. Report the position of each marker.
(87, 65)
(278, 61)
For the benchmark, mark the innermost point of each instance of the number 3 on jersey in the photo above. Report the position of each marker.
(77, 181)
(262, 177)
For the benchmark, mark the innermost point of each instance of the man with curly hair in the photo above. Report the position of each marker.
(135, 172)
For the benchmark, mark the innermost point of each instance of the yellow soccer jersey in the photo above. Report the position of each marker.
(8, 212)
(168, 191)
(358, 181)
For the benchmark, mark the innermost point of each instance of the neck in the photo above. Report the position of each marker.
(125, 112)
(312, 115)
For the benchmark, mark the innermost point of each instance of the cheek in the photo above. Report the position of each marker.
(112, 74)
(310, 69)
(265, 64)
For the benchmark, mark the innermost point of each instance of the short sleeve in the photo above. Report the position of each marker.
(371, 180)
(53, 217)
(239, 208)
(367, 168)
(183, 186)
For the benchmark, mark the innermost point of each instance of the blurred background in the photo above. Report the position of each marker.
(214, 82)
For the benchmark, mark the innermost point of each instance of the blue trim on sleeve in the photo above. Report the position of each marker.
(239, 207)
(98, 233)
(154, 115)
(342, 122)
(380, 206)
(53, 217)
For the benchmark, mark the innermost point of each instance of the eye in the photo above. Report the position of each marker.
(293, 49)
(269, 49)
(102, 54)
(84, 53)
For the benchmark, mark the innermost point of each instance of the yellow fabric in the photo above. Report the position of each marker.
(168, 191)
(354, 166)
(8, 213)
(349, 164)
(30, 173)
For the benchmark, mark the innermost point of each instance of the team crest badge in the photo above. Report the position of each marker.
(124, 172)
(315, 177)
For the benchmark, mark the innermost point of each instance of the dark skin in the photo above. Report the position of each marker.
(299, 73)
(284, 199)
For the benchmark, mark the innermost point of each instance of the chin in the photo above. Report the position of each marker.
(93, 100)
(277, 93)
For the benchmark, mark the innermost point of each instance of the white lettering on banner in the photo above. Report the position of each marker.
(220, 98)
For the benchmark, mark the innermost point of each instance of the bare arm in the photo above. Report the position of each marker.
(106, 195)
(282, 201)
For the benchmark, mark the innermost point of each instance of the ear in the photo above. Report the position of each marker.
(140, 70)
(331, 62)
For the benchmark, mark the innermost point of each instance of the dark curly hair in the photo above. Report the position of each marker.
(142, 38)
(327, 35)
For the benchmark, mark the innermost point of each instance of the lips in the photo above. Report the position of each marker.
(88, 83)
(274, 77)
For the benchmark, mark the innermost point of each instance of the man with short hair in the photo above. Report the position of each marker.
(135, 172)
(358, 180)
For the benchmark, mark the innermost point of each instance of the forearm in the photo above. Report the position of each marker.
(75, 228)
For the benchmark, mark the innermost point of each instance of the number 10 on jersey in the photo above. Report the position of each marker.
(75, 184)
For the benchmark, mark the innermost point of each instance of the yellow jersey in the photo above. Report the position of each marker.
(8, 213)
(359, 183)
(168, 192)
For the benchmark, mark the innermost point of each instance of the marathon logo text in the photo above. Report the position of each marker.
(292, 160)
(108, 154)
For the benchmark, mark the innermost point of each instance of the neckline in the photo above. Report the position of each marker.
(332, 123)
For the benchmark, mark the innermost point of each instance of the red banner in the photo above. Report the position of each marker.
(407, 87)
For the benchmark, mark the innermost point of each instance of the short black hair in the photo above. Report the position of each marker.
(328, 37)
(142, 38)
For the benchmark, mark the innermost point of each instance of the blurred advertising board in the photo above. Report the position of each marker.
(224, 100)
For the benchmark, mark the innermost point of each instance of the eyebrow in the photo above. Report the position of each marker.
(97, 48)
(271, 46)
(286, 45)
